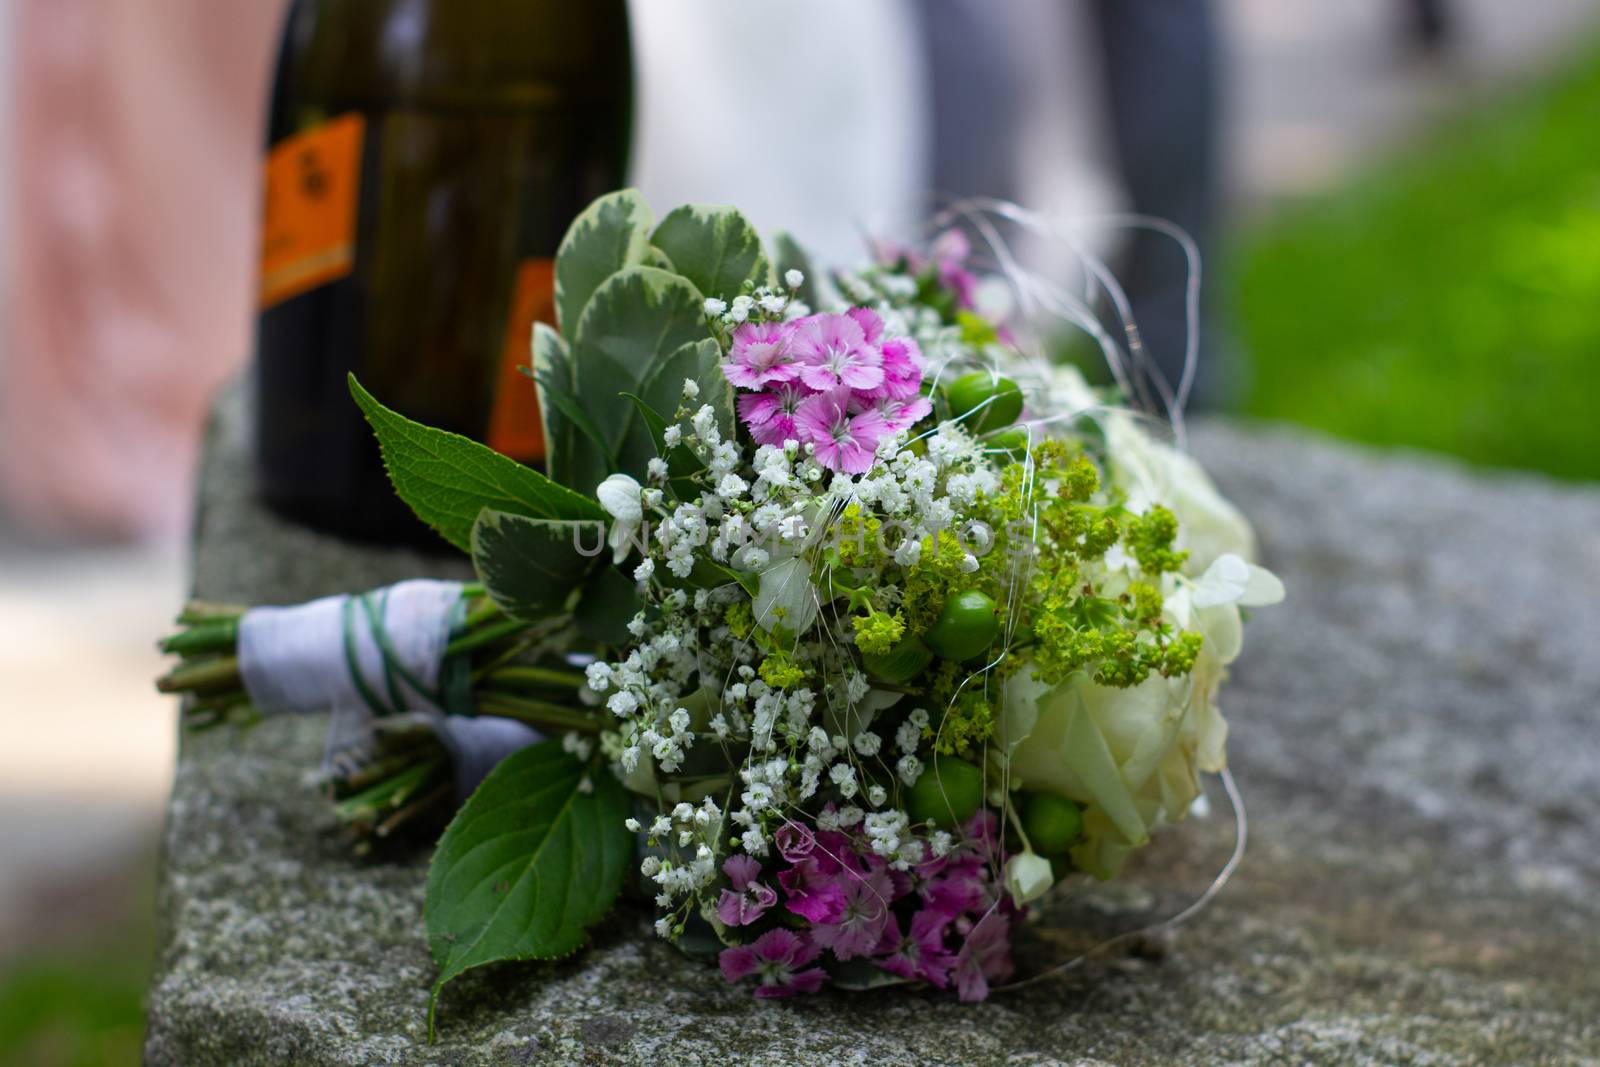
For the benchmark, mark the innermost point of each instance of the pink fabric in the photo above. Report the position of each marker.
(130, 221)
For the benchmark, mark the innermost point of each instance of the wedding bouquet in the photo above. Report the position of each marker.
(850, 627)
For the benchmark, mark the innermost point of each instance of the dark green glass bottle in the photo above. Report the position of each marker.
(424, 159)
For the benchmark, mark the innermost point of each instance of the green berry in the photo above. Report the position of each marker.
(1052, 823)
(947, 794)
(903, 662)
(965, 628)
(971, 391)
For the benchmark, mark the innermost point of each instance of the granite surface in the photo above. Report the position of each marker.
(1417, 733)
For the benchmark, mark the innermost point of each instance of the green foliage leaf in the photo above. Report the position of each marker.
(531, 566)
(569, 431)
(702, 362)
(715, 247)
(634, 322)
(612, 233)
(654, 257)
(709, 574)
(662, 392)
(527, 866)
(606, 606)
(448, 479)
(588, 435)
(682, 463)
(556, 383)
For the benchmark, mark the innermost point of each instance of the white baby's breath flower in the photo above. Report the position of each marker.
(793, 279)
(909, 768)
(705, 425)
(713, 306)
(752, 558)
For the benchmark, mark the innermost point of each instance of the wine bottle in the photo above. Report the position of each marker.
(424, 159)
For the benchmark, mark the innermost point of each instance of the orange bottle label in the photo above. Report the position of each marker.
(312, 187)
(515, 428)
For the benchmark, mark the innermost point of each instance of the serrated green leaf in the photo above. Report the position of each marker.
(790, 256)
(531, 566)
(612, 233)
(448, 479)
(639, 317)
(528, 864)
(606, 606)
(715, 247)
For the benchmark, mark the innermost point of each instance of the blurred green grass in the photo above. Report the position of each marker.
(1450, 298)
(76, 998)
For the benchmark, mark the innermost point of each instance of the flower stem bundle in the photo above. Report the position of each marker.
(514, 670)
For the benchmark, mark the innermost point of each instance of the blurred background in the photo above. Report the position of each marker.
(1398, 202)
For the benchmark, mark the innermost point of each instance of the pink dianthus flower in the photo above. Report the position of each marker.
(776, 959)
(844, 441)
(833, 351)
(760, 355)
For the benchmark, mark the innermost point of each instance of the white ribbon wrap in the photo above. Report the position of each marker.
(300, 658)
(326, 655)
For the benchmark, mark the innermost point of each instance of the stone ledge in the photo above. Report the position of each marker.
(1414, 730)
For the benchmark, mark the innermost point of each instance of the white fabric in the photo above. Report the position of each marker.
(293, 659)
(477, 744)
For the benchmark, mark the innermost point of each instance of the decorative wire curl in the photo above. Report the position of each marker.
(1241, 835)
(1137, 374)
